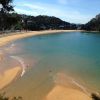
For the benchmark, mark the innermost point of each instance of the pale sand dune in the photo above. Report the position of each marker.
(8, 76)
(63, 93)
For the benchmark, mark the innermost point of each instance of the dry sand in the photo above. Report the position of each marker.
(63, 93)
(8, 76)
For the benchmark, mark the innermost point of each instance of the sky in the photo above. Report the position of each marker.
(73, 11)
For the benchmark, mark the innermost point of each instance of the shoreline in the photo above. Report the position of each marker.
(9, 38)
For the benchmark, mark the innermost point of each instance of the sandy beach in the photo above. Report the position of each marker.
(8, 76)
(59, 92)
(6, 39)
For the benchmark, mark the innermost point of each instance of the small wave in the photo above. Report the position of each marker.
(21, 61)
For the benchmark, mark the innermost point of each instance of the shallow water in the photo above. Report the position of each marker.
(74, 53)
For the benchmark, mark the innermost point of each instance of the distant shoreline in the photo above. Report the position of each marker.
(93, 31)
(4, 39)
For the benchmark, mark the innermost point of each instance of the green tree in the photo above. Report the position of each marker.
(5, 8)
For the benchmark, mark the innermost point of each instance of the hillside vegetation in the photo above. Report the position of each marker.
(93, 24)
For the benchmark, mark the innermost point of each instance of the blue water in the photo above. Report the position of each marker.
(77, 54)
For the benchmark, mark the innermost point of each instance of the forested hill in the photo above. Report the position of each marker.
(16, 21)
(93, 24)
(9, 20)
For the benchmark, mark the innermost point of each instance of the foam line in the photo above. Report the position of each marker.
(80, 86)
(20, 60)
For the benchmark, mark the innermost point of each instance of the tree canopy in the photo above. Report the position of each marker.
(6, 6)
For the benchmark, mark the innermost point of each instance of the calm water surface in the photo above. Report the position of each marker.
(74, 53)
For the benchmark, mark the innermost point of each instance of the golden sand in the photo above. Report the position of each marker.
(8, 76)
(63, 93)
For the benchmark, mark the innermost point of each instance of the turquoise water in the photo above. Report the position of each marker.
(76, 54)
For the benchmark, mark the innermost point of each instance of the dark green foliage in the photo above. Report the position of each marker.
(18, 22)
(10, 21)
(6, 6)
(93, 25)
(44, 23)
